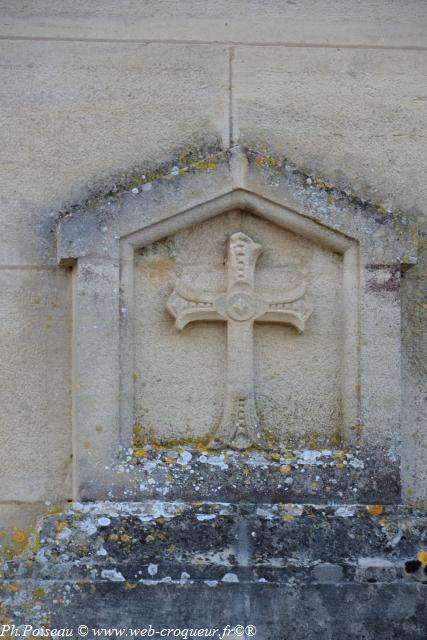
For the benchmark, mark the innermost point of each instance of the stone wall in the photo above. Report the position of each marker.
(91, 90)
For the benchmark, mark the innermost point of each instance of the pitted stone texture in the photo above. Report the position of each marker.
(280, 567)
(251, 476)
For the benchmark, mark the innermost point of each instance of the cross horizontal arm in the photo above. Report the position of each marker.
(186, 309)
(293, 313)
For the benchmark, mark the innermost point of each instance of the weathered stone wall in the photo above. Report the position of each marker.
(94, 89)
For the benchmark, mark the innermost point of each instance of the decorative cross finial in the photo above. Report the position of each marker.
(240, 306)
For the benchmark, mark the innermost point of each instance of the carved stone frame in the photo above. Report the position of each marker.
(101, 245)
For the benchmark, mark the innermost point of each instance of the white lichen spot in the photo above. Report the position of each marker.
(211, 583)
(153, 569)
(135, 190)
(184, 457)
(230, 577)
(356, 463)
(104, 522)
(345, 512)
(113, 575)
(218, 461)
(205, 516)
(87, 526)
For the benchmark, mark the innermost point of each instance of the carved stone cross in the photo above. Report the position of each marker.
(240, 306)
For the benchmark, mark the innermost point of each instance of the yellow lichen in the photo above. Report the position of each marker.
(130, 585)
(422, 557)
(38, 593)
(60, 526)
(140, 453)
(19, 536)
(285, 470)
(86, 444)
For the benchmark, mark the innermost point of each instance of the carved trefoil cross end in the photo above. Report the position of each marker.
(240, 306)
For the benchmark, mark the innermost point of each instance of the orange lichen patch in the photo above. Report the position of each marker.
(332, 199)
(384, 523)
(375, 509)
(168, 460)
(140, 453)
(285, 470)
(114, 537)
(130, 585)
(259, 161)
(160, 268)
(422, 557)
(19, 536)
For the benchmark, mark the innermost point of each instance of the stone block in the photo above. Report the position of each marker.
(35, 382)
(347, 115)
(376, 23)
(76, 113)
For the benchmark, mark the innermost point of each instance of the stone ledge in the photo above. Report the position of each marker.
(297, 569)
